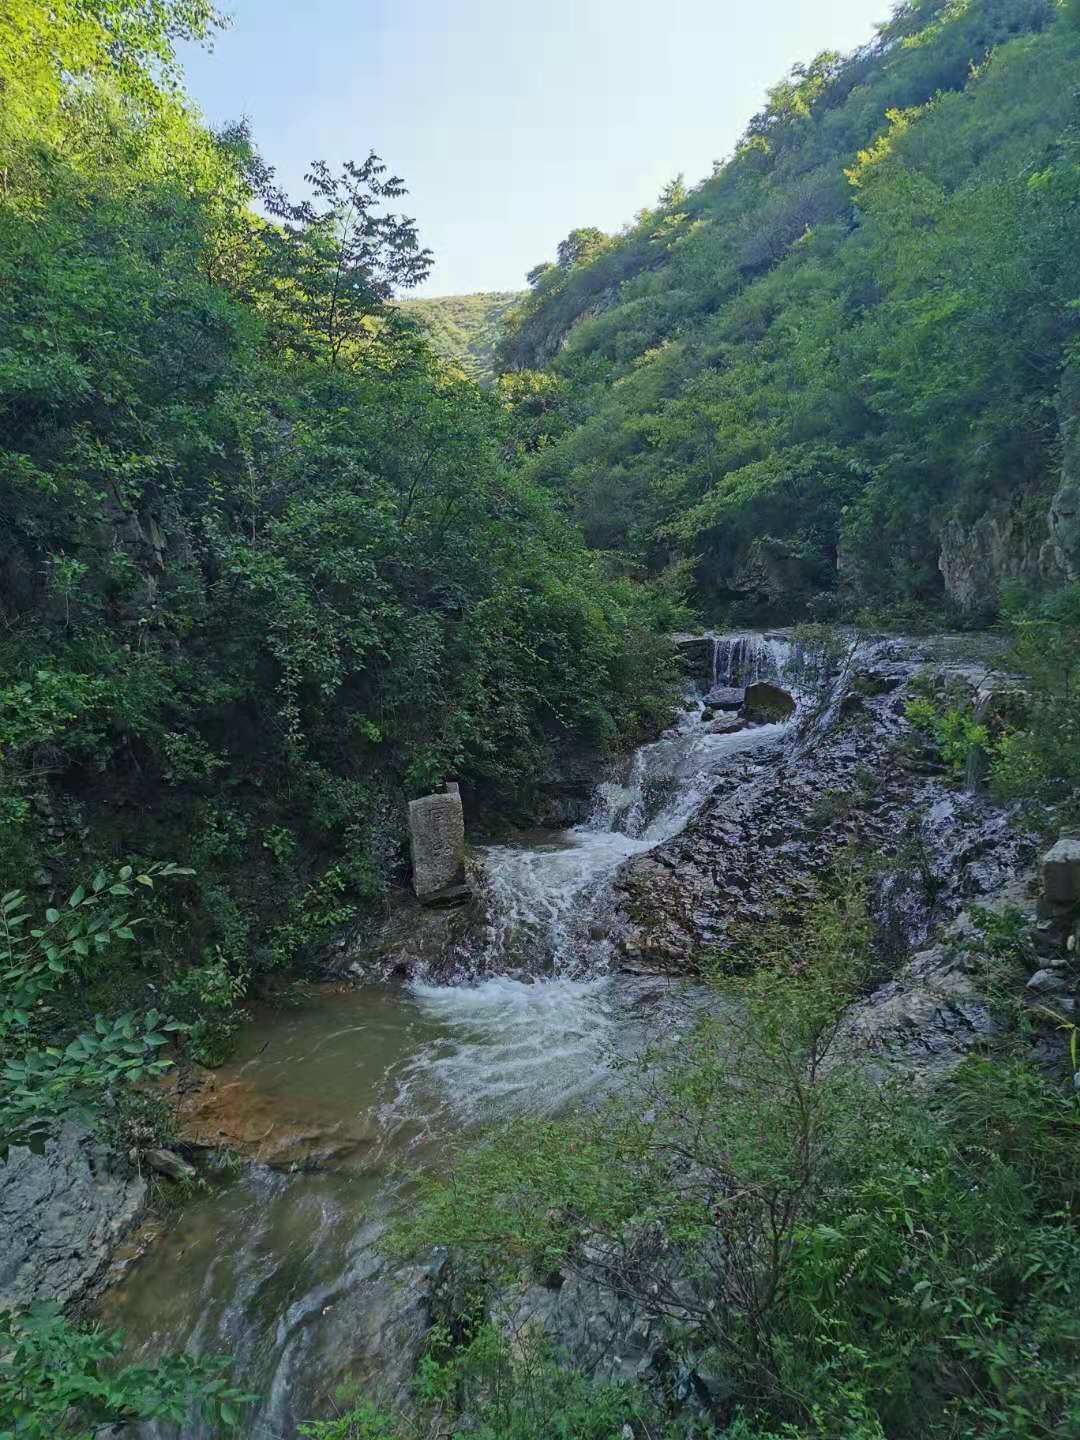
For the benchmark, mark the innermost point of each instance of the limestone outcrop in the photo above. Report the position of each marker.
(61, 1213)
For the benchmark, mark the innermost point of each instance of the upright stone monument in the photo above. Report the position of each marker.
(437, 831)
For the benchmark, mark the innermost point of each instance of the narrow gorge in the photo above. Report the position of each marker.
(579, 948)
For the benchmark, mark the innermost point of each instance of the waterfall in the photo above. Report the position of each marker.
(545, 897)
(743, 659)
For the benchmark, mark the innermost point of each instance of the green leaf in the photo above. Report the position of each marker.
(52, 915)
(77, 897)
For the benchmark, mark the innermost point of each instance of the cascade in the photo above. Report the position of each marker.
(283, 1270)
(743, 659)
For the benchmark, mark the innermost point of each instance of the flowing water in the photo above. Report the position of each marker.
(281, 1269)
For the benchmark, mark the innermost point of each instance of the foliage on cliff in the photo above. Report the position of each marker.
(854, 330)
(464, 329)
(264, 570)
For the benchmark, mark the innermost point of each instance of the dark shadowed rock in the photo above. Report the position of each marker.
(696, 654)
(765, 701)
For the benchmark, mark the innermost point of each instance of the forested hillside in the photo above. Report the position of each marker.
(464, 329)
(841, 373)
(264, 572)
(726, 1085)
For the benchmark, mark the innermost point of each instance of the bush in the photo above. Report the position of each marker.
(1040, 760)
(492, 1388)
(45, 1081)
(862, 1259)
(60, 1379)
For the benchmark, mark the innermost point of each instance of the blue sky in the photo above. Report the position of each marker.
(511, 122)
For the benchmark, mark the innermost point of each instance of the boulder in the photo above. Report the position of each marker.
(1061, 872)
(61, 1213)
(728, 725)
(725, 697)
(1047, 982)
(437, 831)
(766, 701)
(169, 1164)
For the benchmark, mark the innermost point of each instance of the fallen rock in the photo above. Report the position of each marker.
(61, 1213)
(725, 697)
(728, 725)
(766, 701)
(171, 1165)
(1047, 982)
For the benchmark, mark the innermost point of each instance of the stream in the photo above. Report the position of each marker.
(280, 1268)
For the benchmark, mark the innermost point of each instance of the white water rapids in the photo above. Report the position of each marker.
(280, 1270)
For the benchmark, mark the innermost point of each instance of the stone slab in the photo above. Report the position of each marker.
(437, 833)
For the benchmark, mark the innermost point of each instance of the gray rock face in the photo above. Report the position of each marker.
(61, 1213)
(1064, 523)
(437, 830)
(1001, 546)
(926, 1019)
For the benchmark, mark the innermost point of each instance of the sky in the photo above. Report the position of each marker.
(512, 121)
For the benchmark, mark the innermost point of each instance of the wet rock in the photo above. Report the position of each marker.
(227, 1112)
(728, 725)
(1061, 872)
(689, 897)
(412, 939)
(1047, 982)
(768, 702)
(171, 1165)
(726, 697)
(437, 834)
(61, 1214)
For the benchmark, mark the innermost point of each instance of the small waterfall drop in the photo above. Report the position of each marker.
(739, 660)
(546, 893)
